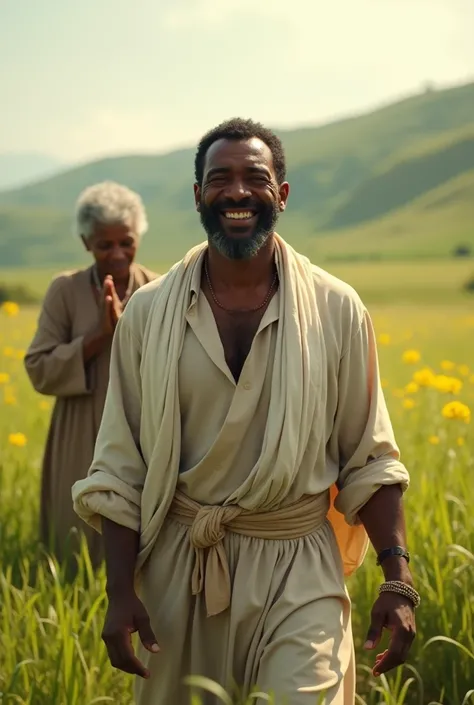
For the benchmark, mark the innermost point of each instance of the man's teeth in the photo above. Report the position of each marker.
(239, 216)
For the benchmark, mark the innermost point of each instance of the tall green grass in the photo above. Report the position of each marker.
(51, 651)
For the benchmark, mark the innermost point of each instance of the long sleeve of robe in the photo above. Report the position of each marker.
(288, 623)
(54, 361)
(55, 365)
(362, 441)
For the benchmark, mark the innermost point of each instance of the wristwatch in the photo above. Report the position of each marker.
(395, 551)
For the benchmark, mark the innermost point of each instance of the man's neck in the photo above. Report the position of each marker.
(242, 274)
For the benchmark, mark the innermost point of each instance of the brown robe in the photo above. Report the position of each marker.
(54, 363)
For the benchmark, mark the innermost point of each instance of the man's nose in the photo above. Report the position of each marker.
(237, 190)
(118, 254)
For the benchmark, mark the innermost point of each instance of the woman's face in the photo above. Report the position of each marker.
(113, 247)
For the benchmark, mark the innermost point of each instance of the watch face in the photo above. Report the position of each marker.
(395, 551)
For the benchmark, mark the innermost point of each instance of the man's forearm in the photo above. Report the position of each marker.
(94, 343)
(384, 520)
(121, 550)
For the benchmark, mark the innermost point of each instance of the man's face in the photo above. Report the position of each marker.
(239, 200)
(113, 247)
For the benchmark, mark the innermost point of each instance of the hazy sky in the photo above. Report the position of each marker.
(85, 78)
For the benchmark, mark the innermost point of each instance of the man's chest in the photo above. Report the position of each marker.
(237, 333)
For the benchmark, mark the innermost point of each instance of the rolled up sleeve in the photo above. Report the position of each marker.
(115, 480)
(363, 443)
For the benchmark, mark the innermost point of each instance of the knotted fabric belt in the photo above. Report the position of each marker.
(210, 523)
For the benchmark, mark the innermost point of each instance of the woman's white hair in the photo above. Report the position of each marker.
(107, 203)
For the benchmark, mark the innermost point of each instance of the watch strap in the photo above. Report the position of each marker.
(394, 551)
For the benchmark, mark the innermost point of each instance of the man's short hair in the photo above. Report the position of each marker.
(109, 202)
(240, 129)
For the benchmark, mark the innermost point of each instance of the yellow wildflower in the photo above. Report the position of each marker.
(447, 384)
(411, 357)
(9, 395)
(17, 439)
(447, 365)
(399, 393)
(408, 403)
(45, 405)
(8, 352)
(10, 308)
(4, 378)
(385, 383)
(424, 377)
(461, 441)
(464, 370)
(457, 410)
(384, 339)
(434, 440)
(20, 354)
(411, 388)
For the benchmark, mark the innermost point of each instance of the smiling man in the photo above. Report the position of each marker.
(245, 458)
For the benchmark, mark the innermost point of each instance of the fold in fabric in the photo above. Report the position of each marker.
(139, 441)
(210, 523)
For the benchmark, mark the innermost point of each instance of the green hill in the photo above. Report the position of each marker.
(360, 187)
(433, 226)
(407, 180)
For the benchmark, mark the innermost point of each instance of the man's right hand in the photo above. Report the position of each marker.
(99, 337)
(126, 614)
(110, 307)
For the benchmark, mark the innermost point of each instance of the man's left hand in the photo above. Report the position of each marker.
(117, 307)
(395, 613)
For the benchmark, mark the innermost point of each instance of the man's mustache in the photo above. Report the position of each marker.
(228, 204)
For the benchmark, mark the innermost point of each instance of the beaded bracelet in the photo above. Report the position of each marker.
(401, 589)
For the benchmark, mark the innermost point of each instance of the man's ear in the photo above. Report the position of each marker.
(85, 242)
(284, 192)
(197, 197)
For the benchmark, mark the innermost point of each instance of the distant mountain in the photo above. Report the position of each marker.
(18, 169)
(360, 187)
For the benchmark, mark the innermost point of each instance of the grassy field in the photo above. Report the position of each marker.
(439, 281)
(50, 647)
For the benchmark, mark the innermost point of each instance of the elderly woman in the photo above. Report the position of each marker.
(69, 355)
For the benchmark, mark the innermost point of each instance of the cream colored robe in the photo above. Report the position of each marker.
(55, 365)
(307, 412)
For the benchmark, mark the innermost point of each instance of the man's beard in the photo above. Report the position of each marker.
(235, 247)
